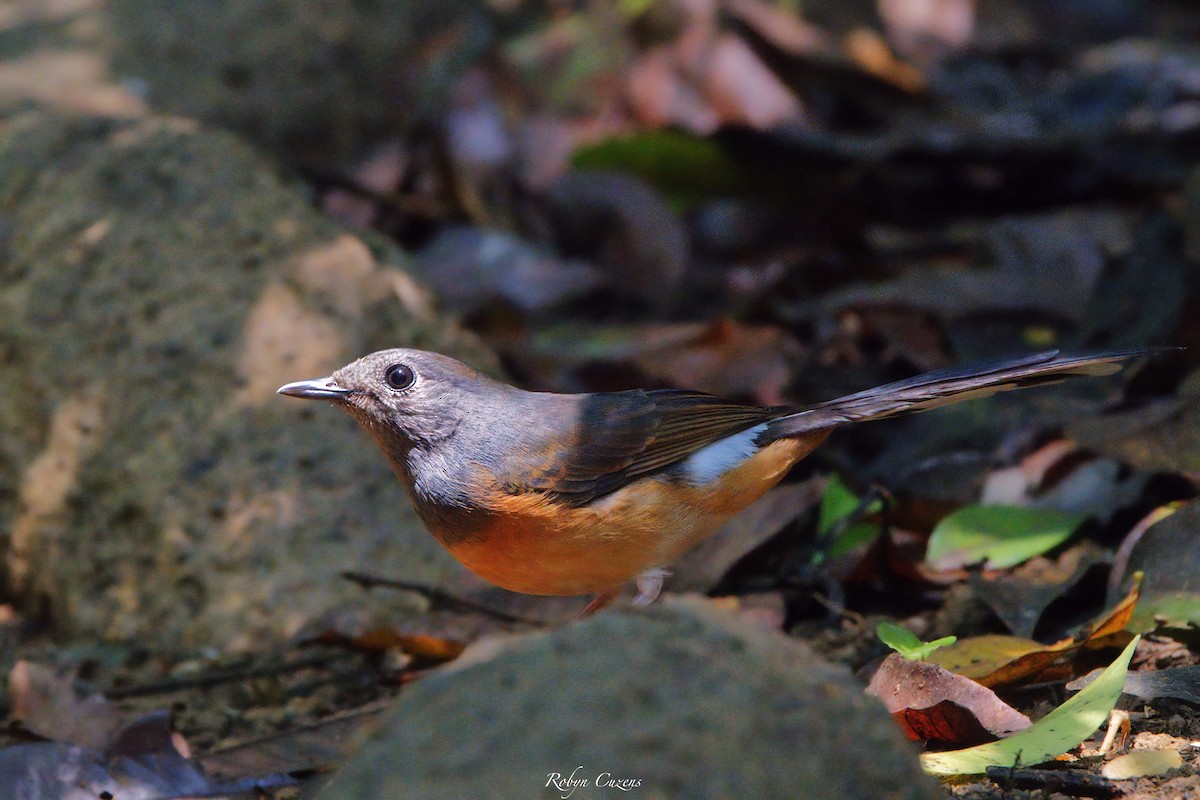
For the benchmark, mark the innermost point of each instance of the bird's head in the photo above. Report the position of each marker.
(416, 395)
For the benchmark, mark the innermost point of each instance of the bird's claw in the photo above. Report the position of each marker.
(649, 585)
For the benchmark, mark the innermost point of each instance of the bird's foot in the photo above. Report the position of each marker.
(649, 585)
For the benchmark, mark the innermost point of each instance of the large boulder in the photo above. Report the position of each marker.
(682, 700)
(158, 281)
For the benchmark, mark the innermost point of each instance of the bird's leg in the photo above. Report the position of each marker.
(598, 602)
(649, 585)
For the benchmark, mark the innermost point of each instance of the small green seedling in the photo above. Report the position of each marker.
(906, 643)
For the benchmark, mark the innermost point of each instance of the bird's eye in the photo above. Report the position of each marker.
(400, 377)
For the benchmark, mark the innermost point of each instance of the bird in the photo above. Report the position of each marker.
(579, 494)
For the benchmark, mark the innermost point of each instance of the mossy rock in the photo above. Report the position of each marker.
(158, 281)
(683, 699)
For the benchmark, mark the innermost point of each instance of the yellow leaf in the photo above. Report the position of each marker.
(1141, 764)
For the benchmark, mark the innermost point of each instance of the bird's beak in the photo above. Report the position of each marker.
(316, 389)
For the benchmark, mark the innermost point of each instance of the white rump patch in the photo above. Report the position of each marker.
(713, 461)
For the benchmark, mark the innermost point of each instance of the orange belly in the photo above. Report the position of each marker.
(537, 546)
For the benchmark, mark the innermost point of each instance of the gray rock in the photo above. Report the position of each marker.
(685, 699)
(157, 283)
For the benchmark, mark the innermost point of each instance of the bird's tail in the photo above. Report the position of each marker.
(946, 386)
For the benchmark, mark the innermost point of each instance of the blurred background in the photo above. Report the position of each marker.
(773, 200)
(779, 201)
(760, 198)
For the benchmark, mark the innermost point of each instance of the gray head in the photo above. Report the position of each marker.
(419, 395)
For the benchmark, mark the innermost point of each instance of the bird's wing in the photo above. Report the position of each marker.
(618, 437)
(943, 387)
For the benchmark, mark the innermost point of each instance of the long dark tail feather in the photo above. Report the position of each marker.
(946, 386)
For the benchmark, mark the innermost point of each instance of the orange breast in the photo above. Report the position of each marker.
(535, 545)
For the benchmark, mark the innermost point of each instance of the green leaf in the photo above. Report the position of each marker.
(839, 502)
(1171, 609)
(907, 644)
(686, 168)
(1003, 536)
(1052, 735)
(634, 8)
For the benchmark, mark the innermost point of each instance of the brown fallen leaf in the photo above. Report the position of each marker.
(743, 90)
(871, 52)
(723, 357)
(704, 76)
(928, 27)
(1015, 485)
(996, 661)
(729, 357)
(783, 27)
(934, 704)
(425, 647)
(912, 333)
(976, 657)
(317, 746)
(1110, 630)
(1019, 596)
(660, 96)
(1063, 476)
(74, 80)
(47, 704)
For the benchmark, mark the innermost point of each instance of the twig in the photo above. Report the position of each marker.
(440, 599)
(1073, 783)
(219, 676)
(836, 606)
